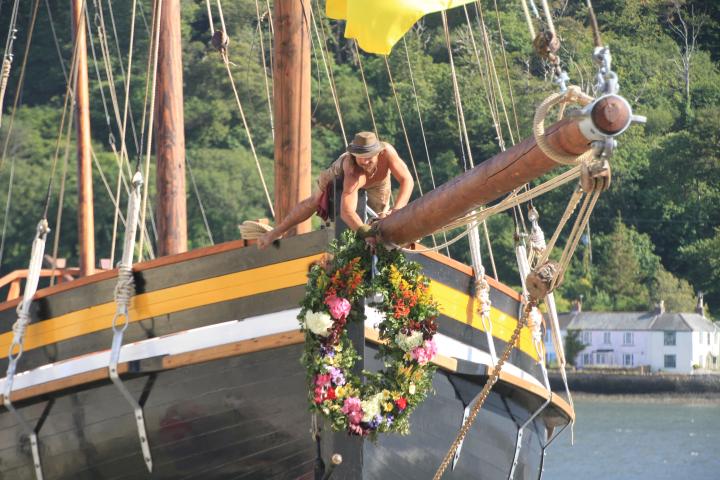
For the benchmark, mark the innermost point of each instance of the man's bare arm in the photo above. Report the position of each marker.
(401, 173)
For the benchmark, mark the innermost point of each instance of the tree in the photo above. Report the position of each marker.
(573, 346)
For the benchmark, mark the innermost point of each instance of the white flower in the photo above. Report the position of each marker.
(318, 323)
(371, 407)
(408, 342)
(411, 390)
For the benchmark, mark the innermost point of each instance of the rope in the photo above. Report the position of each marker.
(20, 83)
(55, 39)
(226, 61)
(7, 207)
(548, 18)
(492, 379)
(367, 92)
(251, 230)
(200, 203)
(507, 70)
(328, 71)
(265, 75)
(526, 12)
(156, 47)
(8, 56)
(594, 24)
(422, 131)
(572, 95)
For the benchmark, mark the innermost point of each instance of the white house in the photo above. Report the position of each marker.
(664, 341)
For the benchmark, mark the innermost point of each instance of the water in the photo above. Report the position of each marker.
(639, 438)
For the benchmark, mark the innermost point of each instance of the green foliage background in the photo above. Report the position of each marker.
(655, 234)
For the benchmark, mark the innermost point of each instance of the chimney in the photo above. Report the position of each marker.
(577, 306)
(700, 307)
(660, 307)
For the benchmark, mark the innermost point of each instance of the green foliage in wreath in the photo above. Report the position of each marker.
(370, 402)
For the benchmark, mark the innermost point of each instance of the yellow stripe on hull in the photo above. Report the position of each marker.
(453, 303)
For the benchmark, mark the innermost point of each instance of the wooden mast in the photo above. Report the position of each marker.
(495, 177)
(86, 224)
(170, 135)
(291, 108)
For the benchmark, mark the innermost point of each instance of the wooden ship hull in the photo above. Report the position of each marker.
(212, 354)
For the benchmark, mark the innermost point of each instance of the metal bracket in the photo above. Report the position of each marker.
(137, 409)
(521, 429)
(9, 378)
(466, 414)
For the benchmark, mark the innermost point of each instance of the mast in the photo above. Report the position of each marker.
(170, 134)
(291, 108)
(86, 224)
(498, 175)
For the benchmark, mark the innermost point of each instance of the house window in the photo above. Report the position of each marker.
(669, 361)
(670, 338)
(606, 338)
(587, 359)
(708, 338)
(628, 338)
(628, 360)
(587, 338)
(602, 358)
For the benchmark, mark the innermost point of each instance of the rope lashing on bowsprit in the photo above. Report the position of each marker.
(252, 230)
(572, 95)
(124, 291)
(19, 328)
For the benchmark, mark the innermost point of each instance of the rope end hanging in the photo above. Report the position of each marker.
(220, 41)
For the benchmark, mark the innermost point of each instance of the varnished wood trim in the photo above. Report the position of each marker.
(64, 383)
(232, 349)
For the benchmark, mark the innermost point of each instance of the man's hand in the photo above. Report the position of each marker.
(268, 238)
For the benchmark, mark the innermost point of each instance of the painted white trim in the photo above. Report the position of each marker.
(450, 347)
(224, 333)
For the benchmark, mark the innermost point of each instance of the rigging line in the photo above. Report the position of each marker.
(474, 235)
(328, 71)
(405, 134)
(55, 39)
(271, 37)
(222, 17)
(367, 92)
(265, 70)
(548, 17)
(12, 31)
(125, 78)
(61, 198)
(200, 203)
(507, 71)
(226, 61)
(402, 124)
(526, 12)
(69, 95)
(20, 83)
(210, 18)
(7, 206)
(422, 128)
(489, 97)
(594, 24)
(99, 168)
(492, 70)
(157, 15)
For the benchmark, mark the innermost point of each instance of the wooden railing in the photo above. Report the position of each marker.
(14, 279)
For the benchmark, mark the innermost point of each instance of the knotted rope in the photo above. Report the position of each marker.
(252, 230)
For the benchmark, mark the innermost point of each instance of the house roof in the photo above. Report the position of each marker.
(637, 321)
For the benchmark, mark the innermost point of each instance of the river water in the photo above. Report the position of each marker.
(634, 438)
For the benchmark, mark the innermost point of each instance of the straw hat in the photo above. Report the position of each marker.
(365, 144)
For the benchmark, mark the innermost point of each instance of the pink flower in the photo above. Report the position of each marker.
(323, 380)
(353, 409)
(424, 353)
(339, 307)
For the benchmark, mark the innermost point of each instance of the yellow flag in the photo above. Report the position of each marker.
(378, 24)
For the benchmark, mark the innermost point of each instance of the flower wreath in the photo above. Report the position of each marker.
(335, 289)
